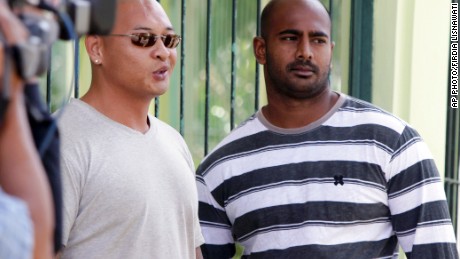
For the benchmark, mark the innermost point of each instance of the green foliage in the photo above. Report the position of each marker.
(220, 70)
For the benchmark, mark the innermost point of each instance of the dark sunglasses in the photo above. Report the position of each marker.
(148, 40)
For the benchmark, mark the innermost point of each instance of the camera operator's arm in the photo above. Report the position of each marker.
(21, 171)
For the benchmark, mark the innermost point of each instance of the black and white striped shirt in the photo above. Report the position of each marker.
(350, 185)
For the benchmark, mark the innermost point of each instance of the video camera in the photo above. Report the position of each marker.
(75, 18)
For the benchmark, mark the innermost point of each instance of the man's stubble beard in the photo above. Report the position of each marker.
(288, 86)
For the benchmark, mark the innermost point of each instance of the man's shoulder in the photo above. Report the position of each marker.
(162, 126)
(359, 104)
(77, 123)
(71, 114)
(244, 130)
(356, 108)
(238, 141)
(165, 130)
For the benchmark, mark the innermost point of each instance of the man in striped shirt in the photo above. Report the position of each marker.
(316, 173)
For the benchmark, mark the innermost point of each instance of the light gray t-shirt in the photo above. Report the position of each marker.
(126, 194)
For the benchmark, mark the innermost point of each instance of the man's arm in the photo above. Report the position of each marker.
(215, 225)
(417, 201)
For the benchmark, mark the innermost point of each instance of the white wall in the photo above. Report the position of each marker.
(410, 70)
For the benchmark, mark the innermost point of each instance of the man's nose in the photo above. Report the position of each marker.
(304, 49)
(160, 51)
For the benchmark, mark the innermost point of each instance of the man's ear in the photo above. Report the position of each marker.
(259, 49)
(93, 47)
(332, 52)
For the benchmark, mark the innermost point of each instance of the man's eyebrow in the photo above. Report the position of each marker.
(290, 31)
(318, 34)
(169, 28)
(298, 32)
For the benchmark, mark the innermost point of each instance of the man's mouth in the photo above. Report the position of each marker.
(161, 73)
(303, 71)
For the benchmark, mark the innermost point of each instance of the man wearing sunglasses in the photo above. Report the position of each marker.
(128, 178)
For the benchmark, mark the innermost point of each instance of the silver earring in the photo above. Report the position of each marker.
(96, 61)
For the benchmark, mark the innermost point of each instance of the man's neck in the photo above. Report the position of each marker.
(291, 113)
(128, 111)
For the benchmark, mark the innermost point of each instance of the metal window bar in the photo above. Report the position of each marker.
(233, 73)
(207, 86)
(452, 168)
(76, 68)
(157, 99)
(182, 68)
(331, 15)
(360, 80)
(257, 87)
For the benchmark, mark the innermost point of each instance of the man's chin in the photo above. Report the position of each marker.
(160, 87)
(305, 92)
